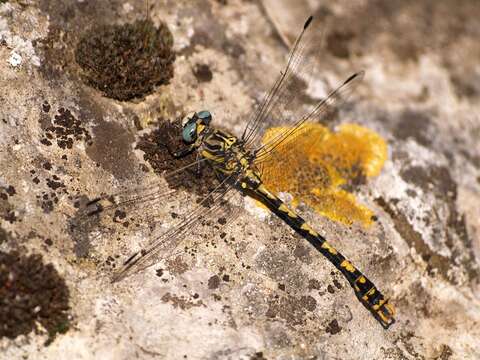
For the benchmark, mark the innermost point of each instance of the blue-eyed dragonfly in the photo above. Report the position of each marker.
(237, 162)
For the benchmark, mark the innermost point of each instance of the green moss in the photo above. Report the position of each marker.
(127, 61)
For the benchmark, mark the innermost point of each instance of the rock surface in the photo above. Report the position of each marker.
(246, 289)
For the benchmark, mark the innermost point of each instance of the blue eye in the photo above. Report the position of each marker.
(205, 116)
(189, 132)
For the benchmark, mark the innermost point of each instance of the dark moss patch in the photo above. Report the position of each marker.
(54, 184)
(46, 106)
(65, 130)
(203, 73)
(181, 301)
(31, 292)
(10, 190)
(314, 284)
(258, 355)
(48, 199)
(47, 165)
(159, 272)
(177, 266)
(214, 282)
(156, 154)
(337, 284)
(233, 48)
(7, 211)
(333, 327)
(126, 61)
(302, 252)
(308, 302)
(55, 49)
(292, 309)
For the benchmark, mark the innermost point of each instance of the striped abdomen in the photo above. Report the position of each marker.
(364, 289)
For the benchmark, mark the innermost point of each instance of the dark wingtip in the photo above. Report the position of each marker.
(130, 258)
(307, 23)
(121, 274)
(359, 75)
(93, 201)
(93, 207)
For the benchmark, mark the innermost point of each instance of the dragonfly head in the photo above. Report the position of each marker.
(194, 124)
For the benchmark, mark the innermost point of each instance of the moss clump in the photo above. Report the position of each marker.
(156, 154)
(126, 61)
(31, 293)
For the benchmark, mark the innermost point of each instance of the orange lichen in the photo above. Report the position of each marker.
(319, 166)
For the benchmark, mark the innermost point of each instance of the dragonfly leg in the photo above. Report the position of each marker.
(180, 153)
(199, 167)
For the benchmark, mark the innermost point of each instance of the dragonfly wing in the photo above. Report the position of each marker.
(133, 210)
(135, 200)
(216, 203)
(323, 109)
(286, 102)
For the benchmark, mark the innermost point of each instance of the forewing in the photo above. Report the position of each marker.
(284, 99)
(324, 109)
(286, 103)
(133, 209)
(216, 203)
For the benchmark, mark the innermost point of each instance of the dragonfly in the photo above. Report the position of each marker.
(237, 162)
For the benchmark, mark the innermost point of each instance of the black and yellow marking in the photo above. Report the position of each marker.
(217, 145)
(235, 161)
(364, 289)
(227, 156)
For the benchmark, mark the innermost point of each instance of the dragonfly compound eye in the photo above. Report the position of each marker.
(205, 116)
(189, 132)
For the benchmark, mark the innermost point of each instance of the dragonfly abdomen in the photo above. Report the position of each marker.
(364, 289)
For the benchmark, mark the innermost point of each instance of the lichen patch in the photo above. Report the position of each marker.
(321, 168)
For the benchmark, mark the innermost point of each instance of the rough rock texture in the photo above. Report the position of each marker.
(247, 289)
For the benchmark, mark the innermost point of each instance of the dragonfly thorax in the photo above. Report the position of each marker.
(225, 152)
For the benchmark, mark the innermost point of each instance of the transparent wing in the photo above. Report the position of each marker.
(215, 203)
(286, 102)
(323, 109)
(140, 197)
(278, 103)
(136, 209)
